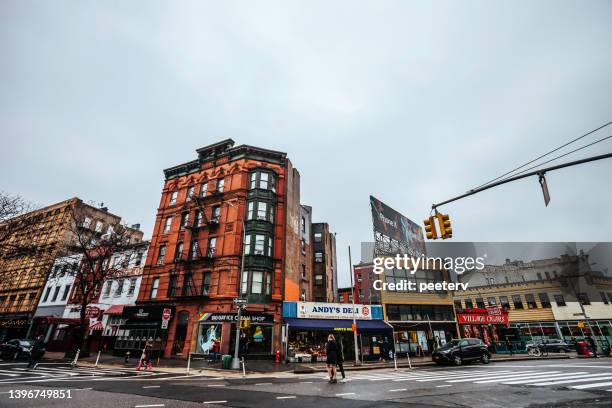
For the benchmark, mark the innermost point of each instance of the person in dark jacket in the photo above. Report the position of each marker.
(509, 345)
(36, 353)
(332, 351)
(341, 358)
(592, 345)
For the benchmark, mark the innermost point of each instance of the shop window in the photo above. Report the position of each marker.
(469, 304)
(518, 302)
(206, 283)
(544, 300)
(503, 301)
(583, 298)
(262, 180)
(173, 197)
(161, 255)
(530, 299)
(480, 303)
(559, 300)
(154, 287)
(492, 301)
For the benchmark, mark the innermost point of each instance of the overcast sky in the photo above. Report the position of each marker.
(412, 102)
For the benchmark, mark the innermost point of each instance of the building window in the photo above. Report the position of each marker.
(66, 291)
(518, 302)
(132, 287)
(260, 210)
(303, 225)
(161, 255)
(119, 289)
(193, 249)
(583, 298)
(547, 275)
(178, 253)
(258, 244)
(609, 296)
(530, 299)
(245, 282)
(99, 226)
(154, 287)
(318, 256)
(206, 283)
(260, 282)
(503, 302)
(318, 237)
(139, 256)
(215, 214)
(304, 273)
(47, 294)
(107, 288)
(539, 276)
(55, 293)
(544, 300)
(359, 277)
(480, 303)
(262, 180)
(303, 295)
(172, 284)
(220, 185)
(492, 301)
(167, 225)
(350, 298)
(190, 192)
(86, 222)
(469, 304)
(184, 220)
(319, 280)
(198, 218)
(491, 281)
(187, 284)
(173, 197)
(559, 300)
(555, 274)
(212, 244)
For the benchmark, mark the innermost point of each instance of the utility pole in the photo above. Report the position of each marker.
(357, 361)
(236, 360)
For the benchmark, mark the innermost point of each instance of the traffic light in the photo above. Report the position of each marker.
(244, 323)
(430, 228)
(445, 226)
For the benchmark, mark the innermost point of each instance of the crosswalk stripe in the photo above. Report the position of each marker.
(449, 376)
(605, 377)
(596, 385)
(555, 377)
(471, 376)
(535, 375)
(495, 376)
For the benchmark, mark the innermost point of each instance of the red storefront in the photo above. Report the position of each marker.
(486, 324)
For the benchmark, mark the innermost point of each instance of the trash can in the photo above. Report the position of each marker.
(226, 362)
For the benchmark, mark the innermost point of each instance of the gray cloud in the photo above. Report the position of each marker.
(413, 102)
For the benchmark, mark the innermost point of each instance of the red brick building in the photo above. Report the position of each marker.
(192, 272)
(345, 295)
(364, 279)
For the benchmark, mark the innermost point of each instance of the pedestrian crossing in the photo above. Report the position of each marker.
(576, 379)
(47, 372)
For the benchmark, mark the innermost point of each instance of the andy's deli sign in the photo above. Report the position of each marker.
(312, 310)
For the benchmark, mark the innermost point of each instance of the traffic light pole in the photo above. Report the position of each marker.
(236, 360)
(522, 176)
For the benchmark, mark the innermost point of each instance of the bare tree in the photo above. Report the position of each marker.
(16, 219)
(101, 250)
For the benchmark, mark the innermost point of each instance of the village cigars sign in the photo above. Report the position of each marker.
(490, 315)
(315, 310)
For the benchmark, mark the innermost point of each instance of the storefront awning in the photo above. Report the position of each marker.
(332, 324)
(114, 310)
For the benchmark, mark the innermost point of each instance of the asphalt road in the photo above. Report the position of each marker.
(539, 383)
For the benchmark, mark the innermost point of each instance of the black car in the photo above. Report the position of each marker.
(16, 348)
(551, 345)
(462, 350)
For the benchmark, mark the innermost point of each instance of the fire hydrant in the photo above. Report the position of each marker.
(277, 359)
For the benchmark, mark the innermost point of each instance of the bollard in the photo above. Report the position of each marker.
(243, 368)
(97, 359)
(395, 361)
(76, 358)
(188, 363)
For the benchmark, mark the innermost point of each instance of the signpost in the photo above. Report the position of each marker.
(165, 318)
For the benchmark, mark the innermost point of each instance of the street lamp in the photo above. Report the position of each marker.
(236, 360)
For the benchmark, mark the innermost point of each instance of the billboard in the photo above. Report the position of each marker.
(394, 233)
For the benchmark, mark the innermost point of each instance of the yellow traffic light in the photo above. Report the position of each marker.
(244, 323)
(445, 226)
(430, 228)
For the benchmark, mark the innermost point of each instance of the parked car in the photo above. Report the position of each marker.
(460, 351)
(16, 348)
(550, 346)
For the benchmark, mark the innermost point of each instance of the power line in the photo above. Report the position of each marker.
(544, 155)
(560, 156)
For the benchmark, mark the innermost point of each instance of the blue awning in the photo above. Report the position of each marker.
(331, 324)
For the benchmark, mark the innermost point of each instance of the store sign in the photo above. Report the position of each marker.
(315, 310)
(233, 317)
(92, 312)
(469, 318)
(13, 323)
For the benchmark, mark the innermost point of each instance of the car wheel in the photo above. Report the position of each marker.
(485, 359)
(457, 360)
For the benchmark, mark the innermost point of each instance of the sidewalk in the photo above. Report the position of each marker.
(178, 366)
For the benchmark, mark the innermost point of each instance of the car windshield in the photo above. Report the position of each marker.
(450, 344)
(26, 342)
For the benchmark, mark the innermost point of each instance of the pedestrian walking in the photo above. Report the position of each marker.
(509, 345)
(216, 348)
(331, 349)
(592, 345)
(36, 353)
(341, 359)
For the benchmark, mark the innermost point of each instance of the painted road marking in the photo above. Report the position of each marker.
(606, 377)
(445, 385)
(151, 386)
(345, 393)
(287, 397)
(399, 389)
(215, 402)
(263, 384)
(148, 406)
(585, 386)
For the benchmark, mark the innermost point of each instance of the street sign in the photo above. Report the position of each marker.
(544, 189)
(240, 301)
(166, 313)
